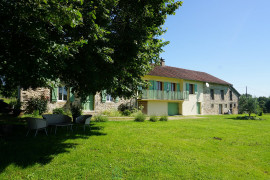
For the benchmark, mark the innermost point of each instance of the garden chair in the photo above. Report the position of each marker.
(84, 120)
(36, 124)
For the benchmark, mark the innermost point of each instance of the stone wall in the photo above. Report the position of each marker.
(210, 106)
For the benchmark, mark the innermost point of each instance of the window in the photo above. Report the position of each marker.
(109, 98)
(226, 105)
(234, 105)
(191, 88)
(173, 87)
(62, 93)
(212, 94)
(231, 95)
(159, 86)
(222, 94)
(212, 105)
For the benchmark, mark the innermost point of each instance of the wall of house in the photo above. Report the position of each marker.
(157, 108)
(212, 106)
(189, 107)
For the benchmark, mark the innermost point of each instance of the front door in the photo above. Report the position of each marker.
(173, 109)
(220, 109)
(198, 108)
(88, 105)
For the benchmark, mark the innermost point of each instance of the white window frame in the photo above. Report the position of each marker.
(63, 87)
(109, 98)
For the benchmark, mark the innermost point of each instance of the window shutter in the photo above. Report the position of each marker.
(116, 99)
(54, 94)
(187, 87)
(169, 86)
(195, 87)
(103, 96)
(155, 85)
(177, 87)
(152, 85)
(71, 95)
(165, 86)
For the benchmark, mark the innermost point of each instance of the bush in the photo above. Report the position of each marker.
(164, 118)
(101, 118)
(76, 111)
(126, 112)
(153, 118)
(58, 111)
(140, 117)
(16, 104)
(35, 104)
(112, 113)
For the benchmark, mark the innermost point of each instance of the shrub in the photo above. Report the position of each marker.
(153, 118)
(39, 104)
(126, 112)
(112, 113)
(16, 104)
(140, 117)
(122, 107)
(101, 118)
(164, 118)
(76, 111)
(58, 111)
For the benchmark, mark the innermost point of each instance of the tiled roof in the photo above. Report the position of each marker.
(173, 72)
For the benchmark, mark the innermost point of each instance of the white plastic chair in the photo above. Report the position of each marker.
(36, 124)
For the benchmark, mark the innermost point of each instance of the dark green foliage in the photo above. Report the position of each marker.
(248, 105)
(76, 111)
(37, 104)
(126, 112)
(58, 111)
(140, 117)
(153, 118)
(163, 118)
(16, 104)
(248, 118)
(101, 118)
(45, 41)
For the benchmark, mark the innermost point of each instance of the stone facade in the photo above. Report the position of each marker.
(99, 106)
(218, 105)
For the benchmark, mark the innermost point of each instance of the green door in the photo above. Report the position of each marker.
(173, 109)
(89, 103)
(198, 108)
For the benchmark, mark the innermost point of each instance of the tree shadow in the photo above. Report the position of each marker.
(22, 151)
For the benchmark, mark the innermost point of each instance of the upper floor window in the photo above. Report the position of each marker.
(191, 88)
(231, 95)
(159, 85)
(62, 93)
(222, 94)
(109, 98)
(173, 87)
(212, 94)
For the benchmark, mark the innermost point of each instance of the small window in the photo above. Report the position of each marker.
(222, 94)
(234, 105)
(109, 98)
(191, 88)
(212, 105)
(226, 105)
(173, 87)
(62, 93)
(159, 85)
(231, 95)
(212, 94)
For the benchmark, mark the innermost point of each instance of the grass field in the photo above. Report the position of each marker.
(214, 147)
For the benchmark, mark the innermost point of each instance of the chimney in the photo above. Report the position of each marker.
(162, 63)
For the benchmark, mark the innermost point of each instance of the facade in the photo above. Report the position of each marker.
(176, 91)
(172, 91)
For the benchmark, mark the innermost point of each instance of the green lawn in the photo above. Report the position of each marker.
(215, 147)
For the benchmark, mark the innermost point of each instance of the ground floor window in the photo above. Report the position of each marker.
(109, 98)
(62, 93)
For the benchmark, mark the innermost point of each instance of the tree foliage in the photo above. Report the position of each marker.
(87, 45)
(248, 105)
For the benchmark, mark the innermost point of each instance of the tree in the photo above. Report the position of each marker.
(90, 45)
(248, 105)
(262, 101)
(267, 105)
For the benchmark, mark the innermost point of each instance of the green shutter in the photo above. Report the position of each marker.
(177, 87)
(116, 99)
(195, 87)
(103, 96)
(54, 94)
(155, 85)
(71, 96)
(169, 86)
(187, 87)
(152, 85)
(165, 86)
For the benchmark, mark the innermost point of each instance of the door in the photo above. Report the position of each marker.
(220, 109)
(88, 105)
(198, 108)
(173, 109)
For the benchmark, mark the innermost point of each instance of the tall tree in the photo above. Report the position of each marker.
(248, 104)
(90, 45)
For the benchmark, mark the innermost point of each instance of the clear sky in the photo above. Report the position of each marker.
(228, 39)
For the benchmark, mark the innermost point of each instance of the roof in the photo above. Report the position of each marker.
(174, 72)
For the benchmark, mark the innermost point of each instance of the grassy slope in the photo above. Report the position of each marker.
(130, 150)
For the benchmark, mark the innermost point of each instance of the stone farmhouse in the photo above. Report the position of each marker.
(173, 91)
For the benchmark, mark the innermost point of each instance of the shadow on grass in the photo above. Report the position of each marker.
(22, 151)
(246, 118)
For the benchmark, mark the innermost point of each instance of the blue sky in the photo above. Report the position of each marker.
(228, 39)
